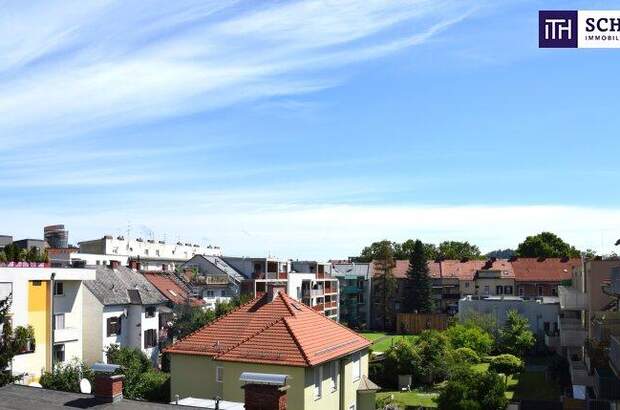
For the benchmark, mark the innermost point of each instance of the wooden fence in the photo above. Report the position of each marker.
(414, 323)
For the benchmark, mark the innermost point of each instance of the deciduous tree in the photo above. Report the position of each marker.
(546, 245)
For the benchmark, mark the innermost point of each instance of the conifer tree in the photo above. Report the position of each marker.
(420, 294)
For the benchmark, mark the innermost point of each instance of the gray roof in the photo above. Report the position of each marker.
(224, 267)
(18, 397)
(352, 269)
(123, 286)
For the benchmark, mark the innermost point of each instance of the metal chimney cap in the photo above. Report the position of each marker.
(264, 378)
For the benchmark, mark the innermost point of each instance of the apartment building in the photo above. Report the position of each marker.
(152, 255)
(535, 277)
(51, 301)
(275, 336)
(355, 281)
(213, 279)
(589, 323)
(121, 307)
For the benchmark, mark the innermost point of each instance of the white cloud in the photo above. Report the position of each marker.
(74, 70)
(333, 231)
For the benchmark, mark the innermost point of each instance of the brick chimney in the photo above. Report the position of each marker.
(109, 388)
(114, 264)
(133, 264)
(273, 289)
(265, 397)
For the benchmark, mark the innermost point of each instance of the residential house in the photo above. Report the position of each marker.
(51, 301)
(355, 283)
(542, 313)
(536, 277)
(213, 279)
(121, 307)
(326, 363)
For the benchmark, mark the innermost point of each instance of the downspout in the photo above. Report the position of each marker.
(53, 283)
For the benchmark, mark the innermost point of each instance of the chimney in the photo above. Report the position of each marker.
(273, 290)
(133, 264)
(108, 387)
(114, 264)
(264, 391)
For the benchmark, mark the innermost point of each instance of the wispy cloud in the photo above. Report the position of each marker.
(73, 70)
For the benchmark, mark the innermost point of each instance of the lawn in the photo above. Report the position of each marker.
(411, 398)
(528, 385)
(382, 341)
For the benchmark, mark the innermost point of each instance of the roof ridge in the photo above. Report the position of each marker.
(297, 343)
(287, 303)
(333, 321)
(211, 323)
(252, 336)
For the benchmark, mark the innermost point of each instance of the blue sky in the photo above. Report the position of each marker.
(305, 129)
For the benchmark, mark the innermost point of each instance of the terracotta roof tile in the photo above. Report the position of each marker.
(549, 269)
(282, 331)
(171, 289)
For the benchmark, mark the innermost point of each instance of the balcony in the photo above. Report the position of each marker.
(216, 280)
(331, 305)
(552, 341)
(319, 308)
(572, 332)
(313, 293)
(614, 287)
(351, 290)
(66, 335)
(606, 384)
(605, 326)
(614, 353)
(579, 372)
(571, 298)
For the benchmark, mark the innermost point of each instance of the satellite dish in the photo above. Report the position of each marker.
(85, 386)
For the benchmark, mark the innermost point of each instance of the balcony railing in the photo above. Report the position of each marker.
(331, 305)
(572, 332)
(606, 384)
(65, 335)
(614, 353)
(216, 280)
(313, 293)
(571, 298)
(319, 308)
(579, 373)
(614, 287)
(603, 328)
(552, 341)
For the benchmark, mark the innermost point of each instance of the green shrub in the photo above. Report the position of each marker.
(154, 386)
(472, 337)
(506, 364)
(468, 390)
(67, 376)
(466, 355)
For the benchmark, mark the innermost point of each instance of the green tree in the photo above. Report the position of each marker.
(12, 341)
(459, 250)
(507, 364)
(433, 349)
(469, 390)
(406, 248)
(141, 382)
(385, 286)
(401, 358)
(472, 337)
(420, 295)
(515, 336)
(546, 245)
(67, 376)
(501, 253)
(466, 355)
(377, 250)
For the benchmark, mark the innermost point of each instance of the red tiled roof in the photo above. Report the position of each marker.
(282, 332)
(171, 289)
(522, 269)
(544, 270)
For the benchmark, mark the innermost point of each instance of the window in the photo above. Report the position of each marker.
(357, 366)
(540, 291)
(146, 252)
(499, 290)
(157, 252)
(209, 293)
(59, 321)
(59, 288)
(554, 291)
(219, 374)
(486, 290)
(466, 284)
(150, 338)
(223, 292)
(318, 378)
(333, 375)
(547, 327)
(59, 353)
(521, 291)
(149, 311)
(507, 290)
(113, 326)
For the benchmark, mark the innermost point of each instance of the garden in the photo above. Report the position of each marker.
(471, 365)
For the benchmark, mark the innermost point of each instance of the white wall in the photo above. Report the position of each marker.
(123, 338)
(70, 304)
